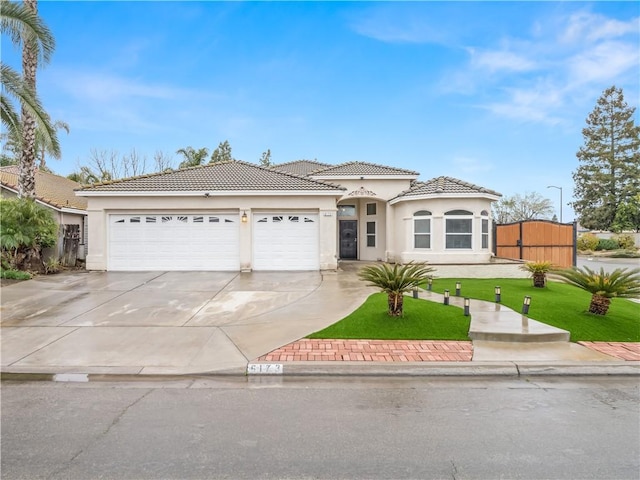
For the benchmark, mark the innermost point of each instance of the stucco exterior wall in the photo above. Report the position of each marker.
(403, 231)
(100, 208)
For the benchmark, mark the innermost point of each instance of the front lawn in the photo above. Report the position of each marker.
(558, 304)
(422, 320)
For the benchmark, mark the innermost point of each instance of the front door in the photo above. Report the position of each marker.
(348, 239)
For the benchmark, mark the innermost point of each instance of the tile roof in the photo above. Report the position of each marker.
(444, 185)
(51, 189)
(362, 168)
(300, 167)
(222, 176)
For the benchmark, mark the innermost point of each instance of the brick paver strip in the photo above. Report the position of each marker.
(372, 351)
(623, 350)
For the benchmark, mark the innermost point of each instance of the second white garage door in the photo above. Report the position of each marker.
(286, 242)
(174, 242)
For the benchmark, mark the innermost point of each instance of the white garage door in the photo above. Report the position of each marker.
(286, 242)
(174, 242)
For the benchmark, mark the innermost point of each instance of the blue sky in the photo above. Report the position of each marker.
(492, 93)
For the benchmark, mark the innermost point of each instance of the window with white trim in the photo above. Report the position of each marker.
(422, 229)
(371, 234)
(485, 229)
(371, 209)
(459, 230)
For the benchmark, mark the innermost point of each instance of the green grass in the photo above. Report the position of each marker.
(558, 304)
(422, 320)
(14, 274)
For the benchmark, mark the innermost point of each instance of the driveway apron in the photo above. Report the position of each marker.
(165, 322)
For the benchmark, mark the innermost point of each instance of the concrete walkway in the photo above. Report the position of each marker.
(175, 323)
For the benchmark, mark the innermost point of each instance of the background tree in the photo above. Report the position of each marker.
(627, 216)
(162, 161)
(608, 174)
(106, 165)
(192, 157)
(265, 159)
(44, 146)
(22, 24)
(517, 208)
(222, 153)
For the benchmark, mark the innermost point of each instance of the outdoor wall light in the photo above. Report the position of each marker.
(244, 217)
(458, 287)
(446, 297)
(467, 303)
(415, 292)
(526, 304)
(497, 291)
(429, 283)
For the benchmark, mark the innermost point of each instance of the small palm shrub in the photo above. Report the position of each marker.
(587, 241)
(395, 281)
(538, 271)
(607, 244)
(603, 286)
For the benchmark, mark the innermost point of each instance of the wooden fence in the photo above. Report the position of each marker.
(537, 240)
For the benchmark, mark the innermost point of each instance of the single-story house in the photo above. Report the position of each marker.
(302, 215)
(57, 194)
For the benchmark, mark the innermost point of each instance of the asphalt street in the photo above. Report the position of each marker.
(330, 428)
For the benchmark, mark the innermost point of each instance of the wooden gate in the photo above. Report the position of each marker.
(70, 242)
(536, 241)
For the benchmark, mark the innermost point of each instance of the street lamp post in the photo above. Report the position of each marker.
(559, 188)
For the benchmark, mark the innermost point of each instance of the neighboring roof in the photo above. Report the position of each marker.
(53, 190)
(300, 167)
(445, 185)
(362, 168)
(226, 176)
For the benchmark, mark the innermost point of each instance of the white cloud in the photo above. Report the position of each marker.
(500, 60)
(587, 27)
(605, 62)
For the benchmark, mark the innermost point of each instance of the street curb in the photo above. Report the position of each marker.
(416, 369)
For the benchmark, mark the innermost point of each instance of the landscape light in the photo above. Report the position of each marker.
(467, 303)
(497, 291)
(525, 304)
(458, 286)
(446, 297)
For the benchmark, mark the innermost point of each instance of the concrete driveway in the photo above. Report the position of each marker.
(165, 322)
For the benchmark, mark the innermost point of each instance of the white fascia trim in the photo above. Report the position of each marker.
(212, 193)
(363, 177)
(432, 196)
(73, 210)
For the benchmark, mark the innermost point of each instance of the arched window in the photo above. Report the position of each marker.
(422, 229)
(459, 230)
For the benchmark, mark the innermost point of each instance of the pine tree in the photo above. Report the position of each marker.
(608, 174)
(222, 153)
(265, 159)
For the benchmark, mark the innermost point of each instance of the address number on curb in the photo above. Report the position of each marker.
(264, 369)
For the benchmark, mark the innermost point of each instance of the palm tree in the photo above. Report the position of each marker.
(395, 281)
(603, 286)
(22, 24)
(538, 271)
(192, 157)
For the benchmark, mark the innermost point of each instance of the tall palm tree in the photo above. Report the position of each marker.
(192, 157)
(395, 281)
(603, 286)
(23, 25)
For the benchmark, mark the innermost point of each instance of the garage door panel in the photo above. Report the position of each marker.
(174, 242)
(286, 242)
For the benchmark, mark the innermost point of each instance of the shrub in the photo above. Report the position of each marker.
(587, 241)
(25, 229)
(607, 244)
(538, 271)
(626, 241)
